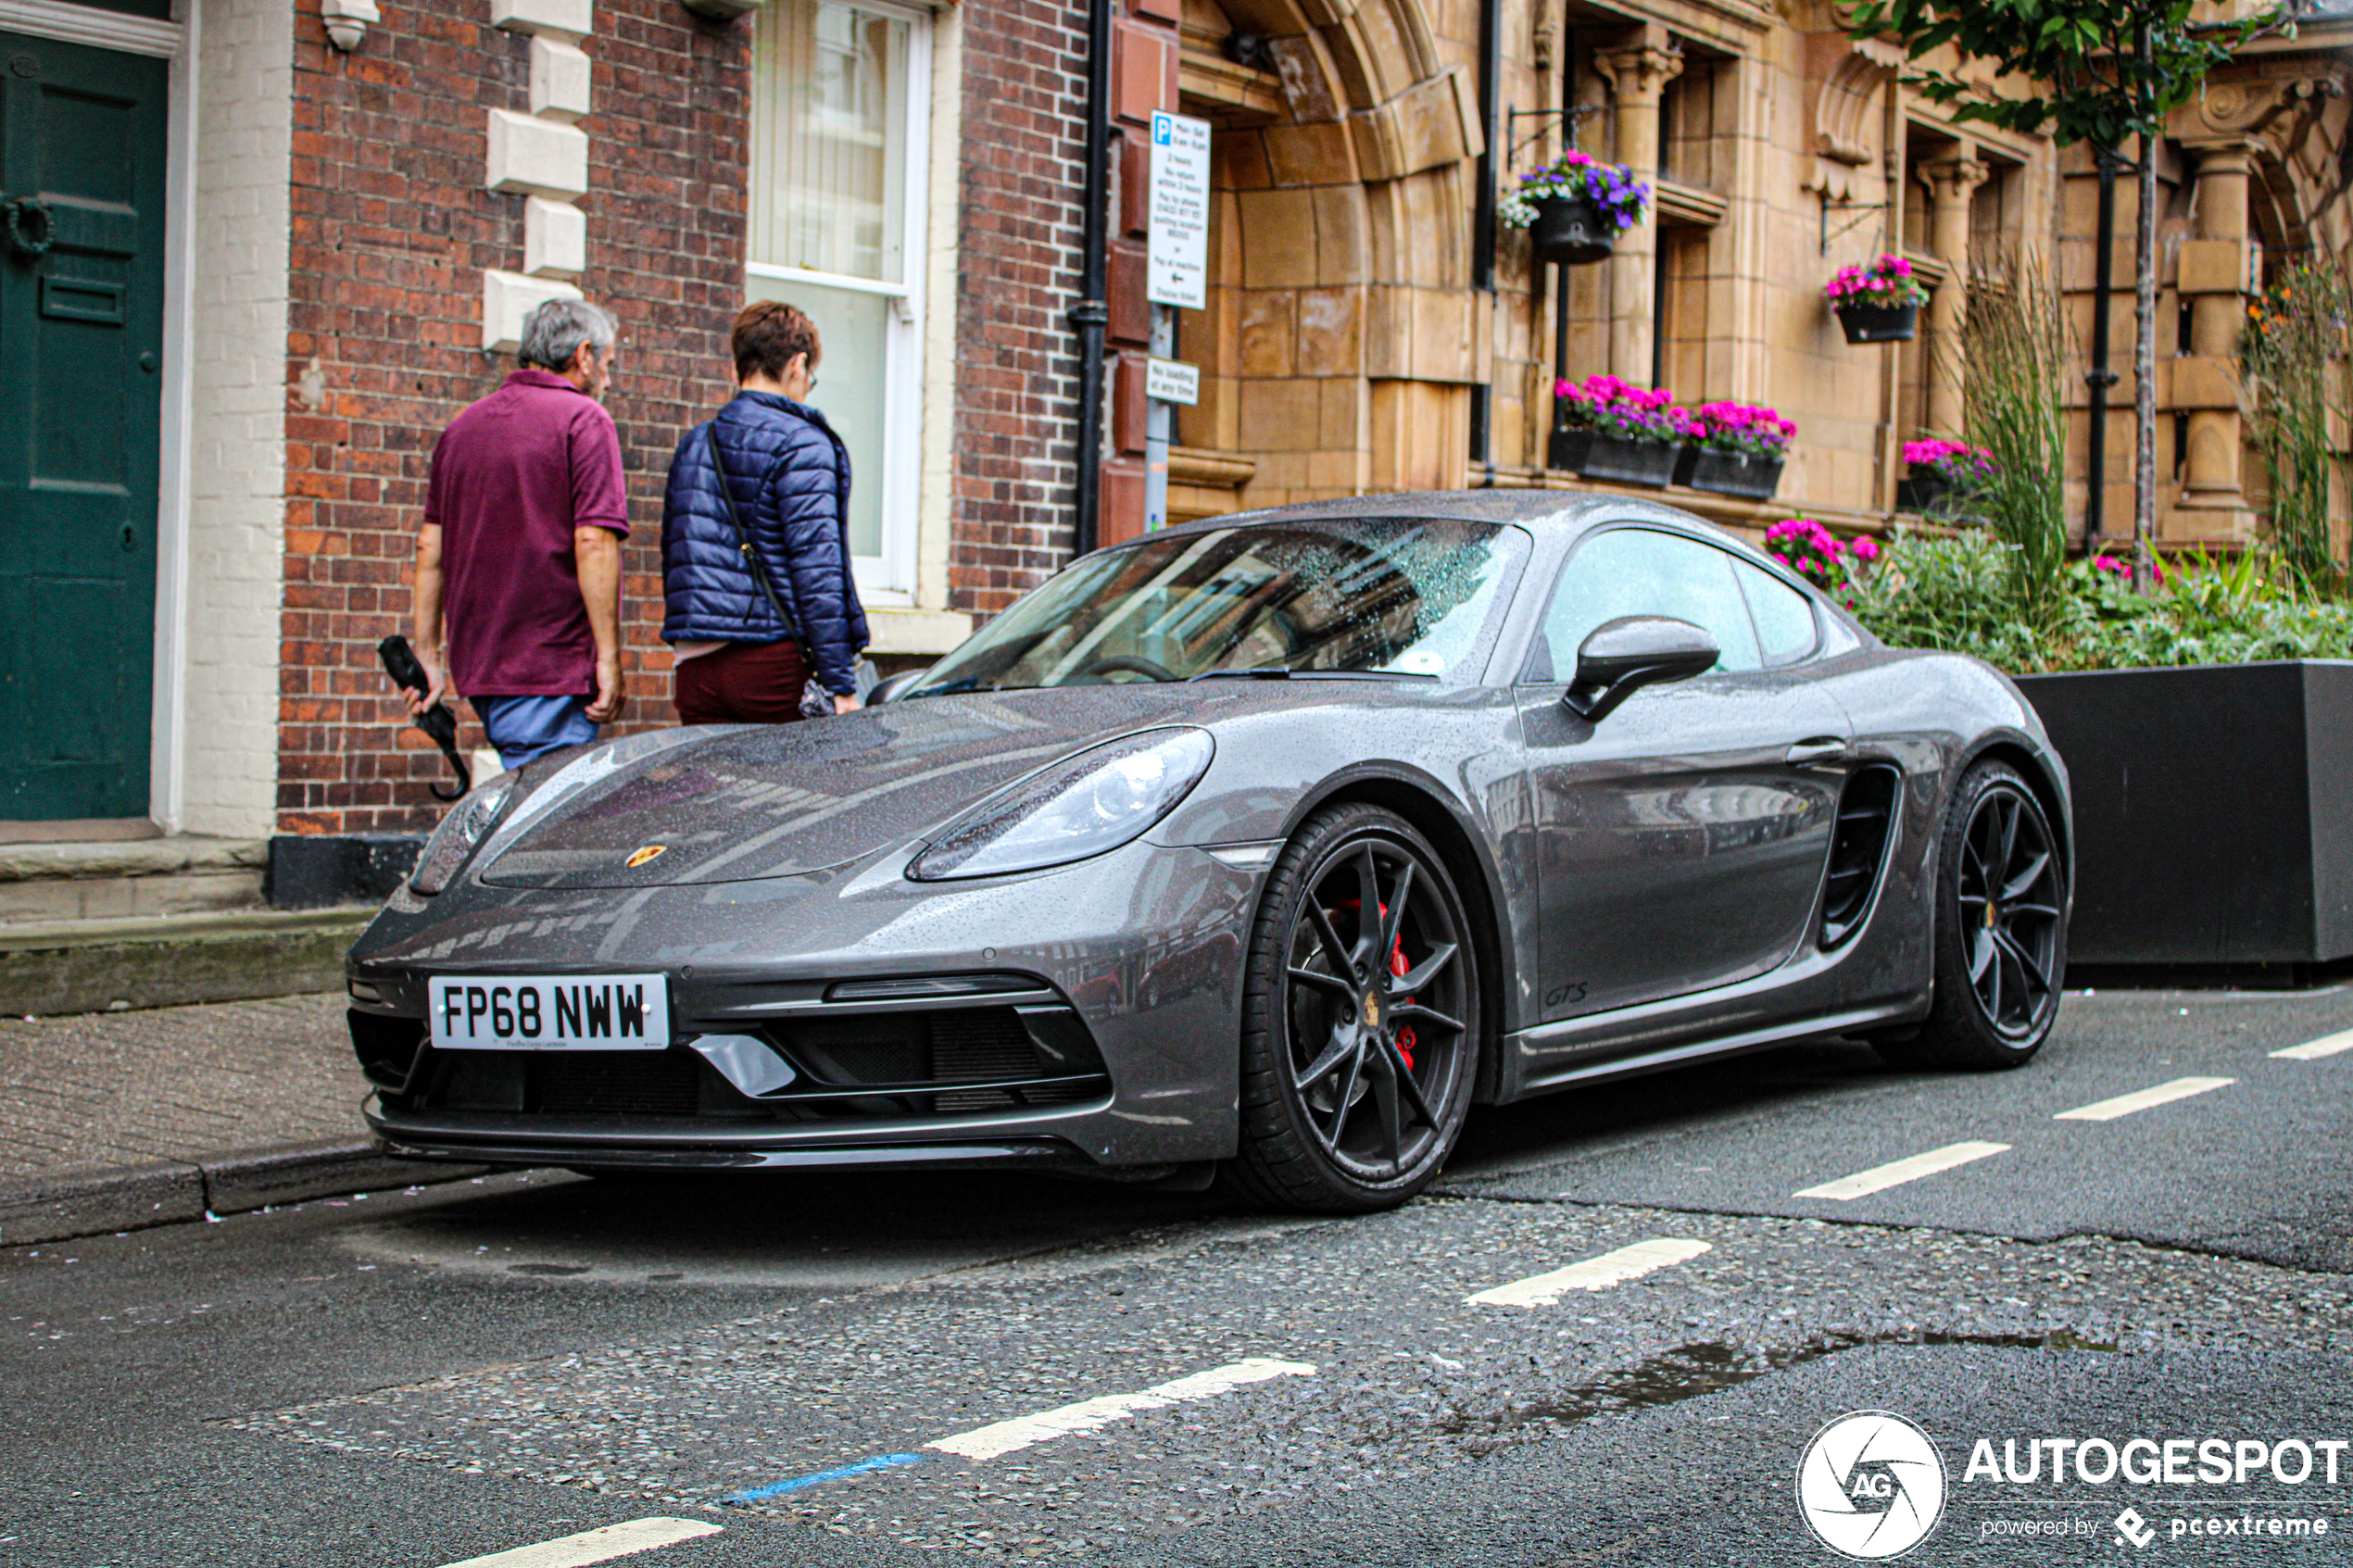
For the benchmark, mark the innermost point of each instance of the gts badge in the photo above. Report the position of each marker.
(1566, 995)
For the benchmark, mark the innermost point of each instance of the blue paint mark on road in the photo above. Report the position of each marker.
(799, 1483)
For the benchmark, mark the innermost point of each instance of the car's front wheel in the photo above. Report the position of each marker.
(2001, 929)
(1360, 1019)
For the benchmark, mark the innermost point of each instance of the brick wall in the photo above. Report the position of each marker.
(392, 230)
(1023, 154)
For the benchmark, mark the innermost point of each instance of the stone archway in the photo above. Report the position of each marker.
(1342, 338)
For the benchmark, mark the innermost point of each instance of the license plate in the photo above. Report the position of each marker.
(550, 1012)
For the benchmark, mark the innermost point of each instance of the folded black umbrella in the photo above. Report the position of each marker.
(400, 663)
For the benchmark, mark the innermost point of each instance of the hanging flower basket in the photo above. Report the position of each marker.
(1878, 303)
(1879, 323)
(1607, 429)
(1571, 231)
(1733, 448)
(1574, 208)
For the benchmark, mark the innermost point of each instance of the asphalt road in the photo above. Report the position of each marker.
(882, 1371)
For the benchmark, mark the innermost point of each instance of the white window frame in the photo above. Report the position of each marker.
(889, 577)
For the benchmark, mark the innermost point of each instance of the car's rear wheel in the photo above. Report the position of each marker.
(2001, 929)
(1360, 1019)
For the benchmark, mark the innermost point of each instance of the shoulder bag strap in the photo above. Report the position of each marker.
(752, 563)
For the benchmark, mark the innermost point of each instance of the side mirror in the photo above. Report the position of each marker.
(1623, 655)
(892, 688)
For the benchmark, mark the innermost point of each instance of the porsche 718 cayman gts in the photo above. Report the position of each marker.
(1261, 847)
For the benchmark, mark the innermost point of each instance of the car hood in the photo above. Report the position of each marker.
(740, 804)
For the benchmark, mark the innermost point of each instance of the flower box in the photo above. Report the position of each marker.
(1929, 494)
(2213, 811)
(1733, 448)
(1598, 454)
(1944, 474)
(1747, 474)
(1571, 231)
(1879, 323)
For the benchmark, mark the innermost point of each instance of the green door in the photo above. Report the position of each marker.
(82, 180)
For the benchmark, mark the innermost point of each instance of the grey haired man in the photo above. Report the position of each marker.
(519, 557)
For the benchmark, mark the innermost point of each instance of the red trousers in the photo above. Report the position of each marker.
(743, 683)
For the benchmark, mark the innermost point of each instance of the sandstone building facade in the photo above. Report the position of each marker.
(309, 229)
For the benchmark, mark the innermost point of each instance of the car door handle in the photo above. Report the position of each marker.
(1807, 753)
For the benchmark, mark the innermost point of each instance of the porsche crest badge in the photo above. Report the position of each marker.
(648, 852)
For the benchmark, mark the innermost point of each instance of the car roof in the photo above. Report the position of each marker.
(1550, 513)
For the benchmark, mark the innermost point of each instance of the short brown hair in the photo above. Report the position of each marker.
(768, 333)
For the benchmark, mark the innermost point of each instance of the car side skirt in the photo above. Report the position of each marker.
(1684, 1055)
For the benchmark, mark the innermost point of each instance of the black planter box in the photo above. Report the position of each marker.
(319, 870)
(1571, 231)
(2213, 811)
(1926, 492)
(1879, 323)
(1730, 474)
(1598, 455)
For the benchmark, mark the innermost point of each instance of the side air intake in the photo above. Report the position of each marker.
(1865, 809)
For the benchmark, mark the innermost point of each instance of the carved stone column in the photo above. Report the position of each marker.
(2212, 272)
(1638, 76)
(1950, 182)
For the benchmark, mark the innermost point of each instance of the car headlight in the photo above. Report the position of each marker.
(453, 843)
(1082, 806)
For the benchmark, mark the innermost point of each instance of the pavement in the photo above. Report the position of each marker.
(113, 1120)
(1609, 1336)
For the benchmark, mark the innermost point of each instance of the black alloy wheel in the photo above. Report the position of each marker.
(1360, 1019)
(2001, 929)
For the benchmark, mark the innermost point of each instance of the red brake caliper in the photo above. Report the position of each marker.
(1398, 966)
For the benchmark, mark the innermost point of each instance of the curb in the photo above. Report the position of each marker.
(173, 961)
(77, 1203)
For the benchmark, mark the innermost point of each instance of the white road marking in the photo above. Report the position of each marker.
(2313, 1050)
(2141, 1100)
(1004, 1437)
(1594, 1274)
(1878, 1178)
(595, 1546)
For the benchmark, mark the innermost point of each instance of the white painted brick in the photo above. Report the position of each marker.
(236, 435)
(555, 239)
(558, 80)
(506, 298)
(538, 156)
(571, 17)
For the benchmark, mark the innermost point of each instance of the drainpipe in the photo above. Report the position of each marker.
(1491, 77)
(1091, 314)
(2098, 377)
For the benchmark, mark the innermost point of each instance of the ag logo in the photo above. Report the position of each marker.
(1870, 1486)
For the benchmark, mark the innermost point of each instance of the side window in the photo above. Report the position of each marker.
(1636, 572)
(1785, 629)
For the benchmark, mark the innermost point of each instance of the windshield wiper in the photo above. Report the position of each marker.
(1256, 673)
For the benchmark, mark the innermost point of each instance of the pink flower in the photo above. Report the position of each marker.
(1866, 549)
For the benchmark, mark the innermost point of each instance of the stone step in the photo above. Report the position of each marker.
(105, 964)
(184, 873)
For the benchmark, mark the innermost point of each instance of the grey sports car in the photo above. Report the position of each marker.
(1259, 849)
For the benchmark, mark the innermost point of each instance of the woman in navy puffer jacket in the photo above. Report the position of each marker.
(789, 475)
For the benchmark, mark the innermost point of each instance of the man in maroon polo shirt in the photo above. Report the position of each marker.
(520, 553)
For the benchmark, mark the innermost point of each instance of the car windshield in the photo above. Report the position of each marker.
(1392, 596)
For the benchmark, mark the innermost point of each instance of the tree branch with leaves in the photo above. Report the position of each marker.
(2100, 71)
